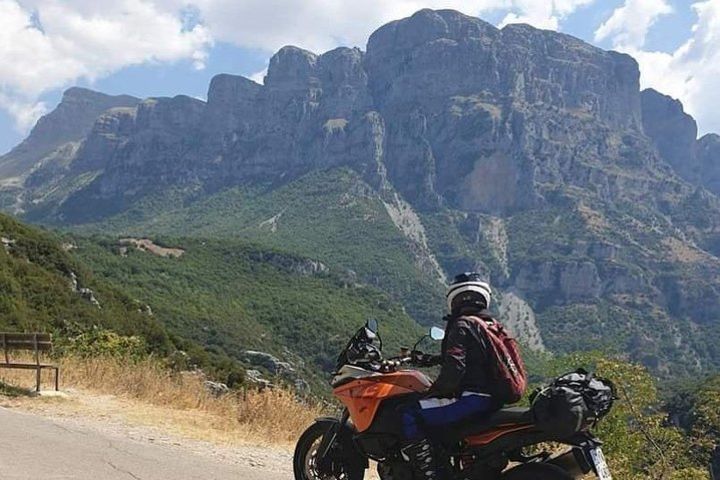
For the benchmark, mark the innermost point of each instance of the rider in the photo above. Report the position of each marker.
(460, 390)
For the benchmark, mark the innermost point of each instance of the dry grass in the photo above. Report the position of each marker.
(157, 396)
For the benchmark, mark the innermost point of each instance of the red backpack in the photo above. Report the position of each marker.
(510, 377)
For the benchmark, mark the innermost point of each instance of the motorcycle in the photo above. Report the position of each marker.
(372, 388)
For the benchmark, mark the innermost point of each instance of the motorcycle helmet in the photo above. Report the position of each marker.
(467, 290)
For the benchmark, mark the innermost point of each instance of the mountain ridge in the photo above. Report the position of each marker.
(69, 121)
(528, 155)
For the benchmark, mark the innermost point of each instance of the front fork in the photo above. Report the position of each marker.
(323, 460)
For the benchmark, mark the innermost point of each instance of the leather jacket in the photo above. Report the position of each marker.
(465, 362)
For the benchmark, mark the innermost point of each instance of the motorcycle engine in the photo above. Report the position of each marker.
(395, 470)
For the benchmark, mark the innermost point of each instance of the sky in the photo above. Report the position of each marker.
(169, 47)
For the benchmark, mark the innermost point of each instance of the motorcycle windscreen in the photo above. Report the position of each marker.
(363, 397)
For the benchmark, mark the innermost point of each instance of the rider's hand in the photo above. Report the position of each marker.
(425, 360)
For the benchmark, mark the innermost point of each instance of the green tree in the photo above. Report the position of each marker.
(639, 442)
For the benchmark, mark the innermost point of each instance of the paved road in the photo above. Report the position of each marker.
(33, 447)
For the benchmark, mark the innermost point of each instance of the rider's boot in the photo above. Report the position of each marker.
(421, 455)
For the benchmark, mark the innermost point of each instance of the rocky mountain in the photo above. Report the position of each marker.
(69, 122)
(448, 144)
(54, 140)
(674, 134)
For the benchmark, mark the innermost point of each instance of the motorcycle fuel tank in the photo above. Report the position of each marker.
(363, 396)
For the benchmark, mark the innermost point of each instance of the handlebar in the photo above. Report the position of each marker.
(370, 357)
(362, 351)
(392, 364)
(416, 357)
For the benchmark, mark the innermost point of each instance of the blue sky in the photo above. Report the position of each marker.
(168, 47)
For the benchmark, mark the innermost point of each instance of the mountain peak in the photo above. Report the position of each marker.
(710, 138)
(669, 102)
(291, 65)
(81, 92)
(673, 131)
(70, 121)
(74, 94)
(426, 26)
(228, 89)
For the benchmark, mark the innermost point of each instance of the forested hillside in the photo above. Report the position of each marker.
(234, 297)
(201, 303)
(45, 288)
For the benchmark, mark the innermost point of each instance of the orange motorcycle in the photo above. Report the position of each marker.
(490, 447)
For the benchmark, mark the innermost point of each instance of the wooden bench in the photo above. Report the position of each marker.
(32, 342)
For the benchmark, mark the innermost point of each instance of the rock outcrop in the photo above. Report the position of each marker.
(674, 134)
(520, 319)
(707, 151)
(278, 369)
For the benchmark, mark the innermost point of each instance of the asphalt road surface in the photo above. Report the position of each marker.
(33, 447)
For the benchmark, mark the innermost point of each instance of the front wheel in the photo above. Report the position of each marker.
(340, 465)
(536, 471)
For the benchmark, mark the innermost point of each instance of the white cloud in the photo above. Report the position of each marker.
(25, 113)
(547, 14)
(49, 44)
(259, 77)
(629, 24)
(319, 25)
(316, 25)
(691, 72)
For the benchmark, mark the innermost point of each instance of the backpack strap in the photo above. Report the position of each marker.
(484, 325)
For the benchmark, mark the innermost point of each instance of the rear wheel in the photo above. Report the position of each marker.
(341, 463)
(537, 471)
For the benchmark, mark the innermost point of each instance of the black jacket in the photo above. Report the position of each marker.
(465, 361)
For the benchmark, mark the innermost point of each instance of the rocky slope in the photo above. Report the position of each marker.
(53, 141)
(69, 122)
(447, 145)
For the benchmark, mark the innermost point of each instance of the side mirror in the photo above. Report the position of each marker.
(437, 333)
(371, 329)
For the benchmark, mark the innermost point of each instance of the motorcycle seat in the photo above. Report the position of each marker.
(509, 416)
(485, 422)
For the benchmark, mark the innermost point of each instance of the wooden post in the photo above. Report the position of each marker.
(57, 370)
(38, 370)
(4, 344)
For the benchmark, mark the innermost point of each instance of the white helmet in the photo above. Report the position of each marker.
(469, 289)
